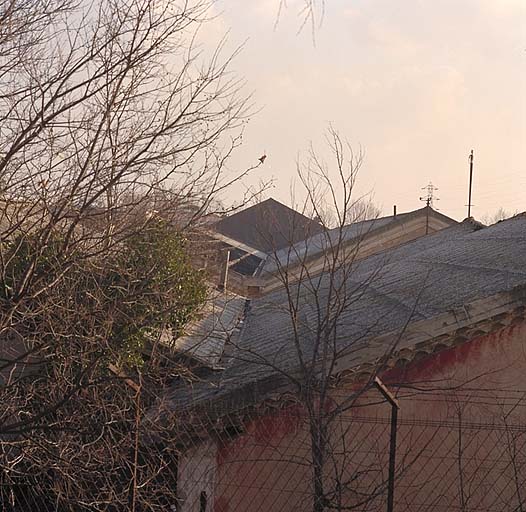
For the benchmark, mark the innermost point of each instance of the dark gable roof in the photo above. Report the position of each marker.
(267, 226)
(417, 281)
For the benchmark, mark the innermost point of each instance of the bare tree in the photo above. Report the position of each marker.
(319, 287)
(331, 292)
(115, 131)
(310, 12)
(294, 410)
(500, 214)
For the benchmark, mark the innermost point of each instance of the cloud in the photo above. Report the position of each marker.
(447, 94)
(351, 13)
(391, 40)
(268, 10)
(407, 79)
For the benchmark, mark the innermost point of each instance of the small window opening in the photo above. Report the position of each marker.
(203, 501)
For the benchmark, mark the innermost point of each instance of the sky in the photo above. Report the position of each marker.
(416, 83)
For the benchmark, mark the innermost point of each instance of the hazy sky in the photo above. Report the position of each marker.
(416, 83)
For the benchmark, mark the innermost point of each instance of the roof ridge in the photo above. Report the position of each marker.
(520, 214)
(275, 201)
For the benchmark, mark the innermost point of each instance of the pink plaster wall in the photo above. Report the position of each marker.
(462, 419)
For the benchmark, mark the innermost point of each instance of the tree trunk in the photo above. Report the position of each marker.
(318, 460)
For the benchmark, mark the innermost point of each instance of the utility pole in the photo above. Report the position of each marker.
(429, 198)
(470, 182)
(223, 278)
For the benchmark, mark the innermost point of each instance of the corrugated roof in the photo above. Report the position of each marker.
(413, 282)
(206, 338)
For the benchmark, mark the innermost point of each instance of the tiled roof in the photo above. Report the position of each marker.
(413, 282)
(323, 241)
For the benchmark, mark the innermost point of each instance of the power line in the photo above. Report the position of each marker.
(429, 198)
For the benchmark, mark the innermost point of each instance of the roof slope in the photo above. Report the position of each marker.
(325, 240)
(206, 338)
(268, 226)
(410, 283)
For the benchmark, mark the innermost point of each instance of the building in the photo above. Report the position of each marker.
(257, 242)
(439, 318)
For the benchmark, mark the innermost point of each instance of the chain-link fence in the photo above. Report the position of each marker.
(446, 458)
(455, 450)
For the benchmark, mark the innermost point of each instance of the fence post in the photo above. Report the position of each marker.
(392, 444)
